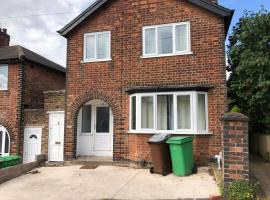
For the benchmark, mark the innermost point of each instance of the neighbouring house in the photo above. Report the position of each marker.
(136, 68)
(24, 77)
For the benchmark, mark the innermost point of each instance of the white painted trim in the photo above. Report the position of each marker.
(92, 61)
(95, 59)
(54, 112)
(169, 132)
(4, 130)
(33, 126)
(167, 55)
(174, 53)
(193, 113)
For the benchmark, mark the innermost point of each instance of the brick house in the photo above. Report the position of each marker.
(24, 77)
(135, 68)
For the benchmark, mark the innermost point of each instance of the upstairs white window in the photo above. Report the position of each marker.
(97, 46)
(4, 142)
(173, 112)
(3, 77)
(165, 40)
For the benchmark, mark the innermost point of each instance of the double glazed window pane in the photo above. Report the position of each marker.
(165, 40)
(103, 120)
(165, 112)
(150, 41)
(3, 77)
(1, 141)
(90, 47)
(147, 110)
(86, 118)
(183, 112)
(133, 113)
(201, 112)
(181, 38)
(103, 46)
(97, 46)
(6, 143)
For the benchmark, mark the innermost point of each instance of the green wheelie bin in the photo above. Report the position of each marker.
(182, 155)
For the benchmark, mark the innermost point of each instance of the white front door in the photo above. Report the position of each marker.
(56, 136)
(95, 130)
(102, 145)
(32, 144)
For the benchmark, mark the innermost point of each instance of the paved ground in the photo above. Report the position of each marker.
(106, 182)
(261, 171)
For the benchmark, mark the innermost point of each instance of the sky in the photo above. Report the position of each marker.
(33, 23)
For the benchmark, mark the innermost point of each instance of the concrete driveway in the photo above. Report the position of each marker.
(106, 182)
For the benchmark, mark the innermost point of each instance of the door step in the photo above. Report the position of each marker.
(54, 164)
(89, 161)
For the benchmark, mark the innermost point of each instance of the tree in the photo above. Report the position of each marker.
(249, 67)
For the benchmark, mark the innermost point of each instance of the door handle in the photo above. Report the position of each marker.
(57, 142)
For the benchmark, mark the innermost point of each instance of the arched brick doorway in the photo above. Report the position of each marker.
(73, 113)
(95, 129)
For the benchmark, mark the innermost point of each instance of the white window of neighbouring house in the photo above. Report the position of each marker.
(97, 46)
(4, 142)
(3, 77)
(86, 119)
(166, 40)
(173, 112)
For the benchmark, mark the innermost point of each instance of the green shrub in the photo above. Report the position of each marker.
(242, 190)
(236, 109)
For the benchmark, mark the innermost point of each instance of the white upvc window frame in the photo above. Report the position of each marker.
(174, 53)
(206, 113)
(95, 59)
(2, 150)
(193, 113)
(138, 113)
(5, 66)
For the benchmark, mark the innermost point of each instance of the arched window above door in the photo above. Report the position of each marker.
(4, 142)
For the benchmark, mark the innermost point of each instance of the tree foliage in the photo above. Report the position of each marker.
(249, 64)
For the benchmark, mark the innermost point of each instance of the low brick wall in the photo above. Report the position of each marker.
(235, 147)
(9, 173)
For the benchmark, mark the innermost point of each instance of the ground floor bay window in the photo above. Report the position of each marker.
(174, 112)
(4, 142)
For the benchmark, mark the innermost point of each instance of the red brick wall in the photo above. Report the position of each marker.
(53, 101)
(235, 147)
(38, 79)
(10, 110)
(125, 20)
(35, 79)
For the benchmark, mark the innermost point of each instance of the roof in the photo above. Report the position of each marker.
(168, 88)
(20, 53)
(206, 4)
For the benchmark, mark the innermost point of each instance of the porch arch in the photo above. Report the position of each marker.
(4, 141)
(74, 109)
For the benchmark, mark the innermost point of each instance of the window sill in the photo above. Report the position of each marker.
(167, 55)
(92, 61)
(171, 133)
(4, 90)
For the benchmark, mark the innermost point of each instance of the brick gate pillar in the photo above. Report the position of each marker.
(235, 147)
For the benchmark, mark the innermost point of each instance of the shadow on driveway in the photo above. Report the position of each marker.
(260, 171)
